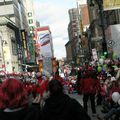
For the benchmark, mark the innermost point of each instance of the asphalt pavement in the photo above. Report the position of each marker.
(98, 108)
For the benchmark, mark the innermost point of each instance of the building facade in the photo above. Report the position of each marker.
(32, 26)
(84, 24)
(79, 22)
(74, 36)
(8, 46)
(15, 11)
(102, 15)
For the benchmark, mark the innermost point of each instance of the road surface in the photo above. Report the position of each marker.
(98, 108)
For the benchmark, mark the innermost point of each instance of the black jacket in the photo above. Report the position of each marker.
(28, 113)
(62, 107)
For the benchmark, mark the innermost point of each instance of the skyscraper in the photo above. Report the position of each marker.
(15, 11)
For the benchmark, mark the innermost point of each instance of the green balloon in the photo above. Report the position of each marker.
(99, 69)
(114, 56)
(103, 57)
(105, 65)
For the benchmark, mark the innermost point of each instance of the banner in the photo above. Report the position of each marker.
(24, 40)
(44, 41)
(111, 4)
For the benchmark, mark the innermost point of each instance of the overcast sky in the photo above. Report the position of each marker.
(54, 13)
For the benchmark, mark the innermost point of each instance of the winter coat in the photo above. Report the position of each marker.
(62, 107)
(28, 113)
(89, 85)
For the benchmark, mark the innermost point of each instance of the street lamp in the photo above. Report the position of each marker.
(100, 6)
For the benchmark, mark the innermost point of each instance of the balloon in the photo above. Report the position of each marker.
(104, 65)
(103, 57)
(101, 61)
(119, 101)
(114, 56)
(99, 69)
(115, 97)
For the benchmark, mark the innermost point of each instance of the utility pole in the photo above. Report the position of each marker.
(100, 6)
(104, 44)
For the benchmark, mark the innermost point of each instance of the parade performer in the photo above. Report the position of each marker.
(89, 87)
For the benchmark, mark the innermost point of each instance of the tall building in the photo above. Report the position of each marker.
(84, 15)
(31, 16)
(84, 25)
(99, 25)
(74, 35)
(79, 22)
(32, 27)
(8, 46)
(15, 11)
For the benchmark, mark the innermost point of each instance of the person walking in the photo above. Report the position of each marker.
(59, 106)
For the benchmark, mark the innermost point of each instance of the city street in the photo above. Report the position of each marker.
(47, 46)
(79, 99)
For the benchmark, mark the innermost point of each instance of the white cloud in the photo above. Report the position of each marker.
(59, 49)
(55, 14)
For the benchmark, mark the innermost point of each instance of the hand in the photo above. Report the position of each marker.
(37, 99)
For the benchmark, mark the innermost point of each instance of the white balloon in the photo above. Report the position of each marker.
(119, 101)
(101, 61)
(115, 97)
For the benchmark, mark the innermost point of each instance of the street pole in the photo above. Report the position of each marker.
(100, 6)
(104, 44)
(89, 42)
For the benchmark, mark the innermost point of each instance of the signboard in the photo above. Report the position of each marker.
(47, 64)
(94, 53)
(111, 4)
(23, 37)
(44, 42)
(44, 46)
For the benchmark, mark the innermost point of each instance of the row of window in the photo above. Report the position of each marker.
(30, 21)
(5, 2)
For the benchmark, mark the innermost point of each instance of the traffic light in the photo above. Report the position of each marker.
(105, 53)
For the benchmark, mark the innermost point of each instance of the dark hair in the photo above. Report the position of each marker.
(12, 94)
(55, 87)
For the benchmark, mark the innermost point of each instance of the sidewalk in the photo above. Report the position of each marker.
(98, 108)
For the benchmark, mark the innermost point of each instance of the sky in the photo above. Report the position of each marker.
(54, 13)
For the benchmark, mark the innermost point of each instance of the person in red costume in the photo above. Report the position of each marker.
(42, 84)
(58, 77)
(14, 102)
(89, 87)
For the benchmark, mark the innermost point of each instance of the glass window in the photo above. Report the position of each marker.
(31, 28)
(30, 21)
(14, 46)
(29, 14)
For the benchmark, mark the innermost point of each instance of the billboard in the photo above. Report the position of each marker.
(111, 4)
(44, 42)
(44, 46)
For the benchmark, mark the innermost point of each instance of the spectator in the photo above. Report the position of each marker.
(60, 106)
(14, 103)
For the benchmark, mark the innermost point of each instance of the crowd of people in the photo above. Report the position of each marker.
(101, 83)
(41, 99)
(43, 96)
